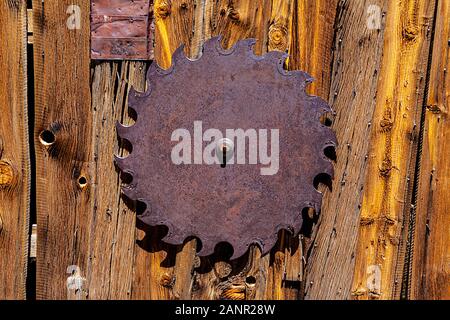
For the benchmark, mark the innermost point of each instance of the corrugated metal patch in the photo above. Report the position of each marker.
(121, 29)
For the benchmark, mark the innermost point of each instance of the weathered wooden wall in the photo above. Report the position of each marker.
(14, 150)
(383, 229)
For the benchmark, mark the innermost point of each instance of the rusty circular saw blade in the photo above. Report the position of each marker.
(226, 89)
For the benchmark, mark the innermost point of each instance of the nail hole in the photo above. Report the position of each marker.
(82, 182)
(330, 153)
(250, 280)
(47, 138)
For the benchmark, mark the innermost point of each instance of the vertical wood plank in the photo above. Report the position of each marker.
(112, 225)
(174, 25)
(14, 151)
(64, 157)
(312, 35)
(331, 251)
(387, 195)
(430, 278)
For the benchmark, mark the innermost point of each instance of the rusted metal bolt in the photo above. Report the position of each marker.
(224, 150)
(6, 174)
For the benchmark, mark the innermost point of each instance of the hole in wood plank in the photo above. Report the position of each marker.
(82, 182)
(7, 175)
(47, 138)
(250, 281)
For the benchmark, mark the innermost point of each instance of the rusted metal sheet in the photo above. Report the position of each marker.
(234, 203)
(121, 29)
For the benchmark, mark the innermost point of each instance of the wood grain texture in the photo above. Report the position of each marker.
(388, 187)
(112, 223)
(312, 34)
(15, 172)
(90, 245)
(431, 254)
(64, 157)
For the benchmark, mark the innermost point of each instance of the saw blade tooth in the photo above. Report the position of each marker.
(281, 64)
(239, 250)
(264, 245)
(173, 237)
(124, 132)
(273, 56)
(129, 193)
(207, 248)
(301, 78)
(178, 57)
(325, 165)
(328, 168)
(245, 46)
(134, 98)
(212, 45)
(155, 72)
(320, 104)
(121, 162)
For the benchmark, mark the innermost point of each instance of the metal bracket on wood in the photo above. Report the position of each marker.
(121, 30)
(33, 241)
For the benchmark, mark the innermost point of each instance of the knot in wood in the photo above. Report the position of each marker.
(222, 269)
(233, 14)
(167, 280)
(386, 125)
(6, 174)
(233, 293)
(163, 9)
(278, 37)
(386, 166)
(184, 6)
(410, 32)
